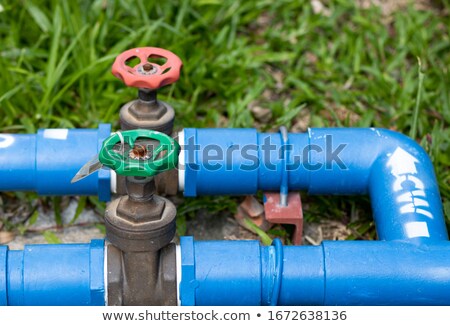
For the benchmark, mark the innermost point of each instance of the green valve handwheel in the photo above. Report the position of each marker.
(138, 160)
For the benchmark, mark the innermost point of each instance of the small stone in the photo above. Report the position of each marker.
(303, 122)
(261, 114)
(6, 237)
(252, 206)
(319, 8)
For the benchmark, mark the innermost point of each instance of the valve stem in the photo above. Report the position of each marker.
(147, 67)
(139, 152)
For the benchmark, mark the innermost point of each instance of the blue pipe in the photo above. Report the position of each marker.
(334, 273)
(53, 275)
(47, 161)
(412, 268)
(392, 168)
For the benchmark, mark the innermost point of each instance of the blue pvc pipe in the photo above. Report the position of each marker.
(411, 269)
(392, 168)
(47, 161)
(334, 273)
(53, 275)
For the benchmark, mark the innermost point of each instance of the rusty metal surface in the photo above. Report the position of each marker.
(167, 183)
(130, 234)
(141, 259)
(142, 278)
(139, 114)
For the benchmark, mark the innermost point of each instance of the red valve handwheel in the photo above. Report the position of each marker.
(147, 74)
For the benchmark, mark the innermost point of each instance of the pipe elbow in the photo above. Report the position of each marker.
(404, 191)
(390, 167)
(391, 141)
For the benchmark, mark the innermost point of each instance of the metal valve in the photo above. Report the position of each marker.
(121, 153)
(140, 225)
(145, 74)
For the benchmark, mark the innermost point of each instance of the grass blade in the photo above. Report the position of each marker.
(413, 132)
(39, 17)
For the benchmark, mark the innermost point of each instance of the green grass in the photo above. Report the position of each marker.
(354, 67)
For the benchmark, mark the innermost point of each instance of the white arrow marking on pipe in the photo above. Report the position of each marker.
(6, 141)
(399, 179)
(417, 229)
(412, 208)
(403, 168)
(401, 162)
(424, 212)
(409, 196)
